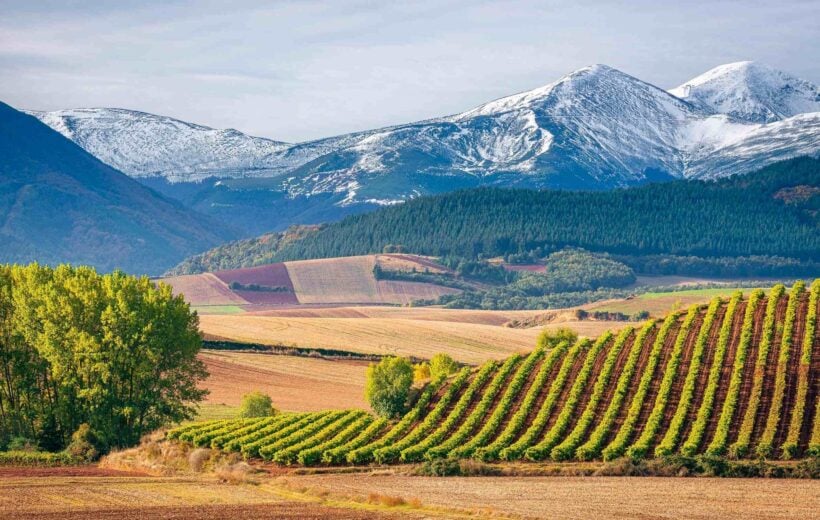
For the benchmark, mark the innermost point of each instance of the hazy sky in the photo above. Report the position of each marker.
(306, 69)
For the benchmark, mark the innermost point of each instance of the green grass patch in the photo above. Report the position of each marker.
(217, 309)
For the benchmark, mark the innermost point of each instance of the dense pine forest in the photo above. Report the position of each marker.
(761, 224)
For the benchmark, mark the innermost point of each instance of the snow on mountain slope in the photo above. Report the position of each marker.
(145, 145)
(596, 128)
(750, 92)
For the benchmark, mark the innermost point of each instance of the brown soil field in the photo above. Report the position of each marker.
(595, 497)
(466, 342)
(298, 384)
(155, 497)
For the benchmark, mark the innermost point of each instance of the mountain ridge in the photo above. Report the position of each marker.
(595, 128)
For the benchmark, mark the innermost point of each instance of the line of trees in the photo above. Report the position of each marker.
(113, 352)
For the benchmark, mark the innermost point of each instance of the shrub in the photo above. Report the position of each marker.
(256, 404)
(388, 385)
(442, 365)
(552, 338)
(84, 444)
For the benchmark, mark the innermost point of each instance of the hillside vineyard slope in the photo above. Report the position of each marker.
(595, 128)
(649, 391)
(58, 203)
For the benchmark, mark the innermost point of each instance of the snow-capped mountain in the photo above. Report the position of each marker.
(147, 145)
(751, 92)
(596, 128)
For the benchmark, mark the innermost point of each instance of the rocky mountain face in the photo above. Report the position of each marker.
(596, 128)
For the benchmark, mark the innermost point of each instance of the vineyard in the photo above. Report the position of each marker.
(737, 377)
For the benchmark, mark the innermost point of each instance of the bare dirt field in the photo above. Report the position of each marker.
(595, 497)
(154, 497)
(466, 342)
(294, 383)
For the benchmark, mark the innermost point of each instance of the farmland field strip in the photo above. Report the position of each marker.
(766, 443)
(279, 421)
(526, 408)
(455, 416)
(566, 449)
(576, 395)
(307, 440)
(653, 423)
(619, 444)
(374, 430)
(364, 453)
(313, 455)
(267, 451)
(539, 423)
(791, 446)
(765, 356)
(391, 453)
(282, 430)
(615, 399)
(672, 433)
(718, 444)
(488, 401)
(174, 433)
(502, 408)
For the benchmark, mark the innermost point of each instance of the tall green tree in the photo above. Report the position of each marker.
(388, 385)
(112, 351)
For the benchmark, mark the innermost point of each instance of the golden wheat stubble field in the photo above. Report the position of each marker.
(129, 497)
(593, 497)
(298, 384)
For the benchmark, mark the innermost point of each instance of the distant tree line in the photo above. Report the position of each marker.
(741, 216)
(103, 357)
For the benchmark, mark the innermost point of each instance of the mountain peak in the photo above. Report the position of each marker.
(750, 91)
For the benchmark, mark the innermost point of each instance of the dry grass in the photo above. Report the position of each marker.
(294, 383)
(466, 342)
(595, 497)
(335, 280)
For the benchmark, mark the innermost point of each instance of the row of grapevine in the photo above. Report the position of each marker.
(672, 436)
(766, 444)
(681, 385)
(741, 446)
(479, 412)
(566, 449)
(503, 407)
(517, 449)
(416, 453)
(592, 448)
(790, 447)
(553, 436)
(641, 446)
(696, 434)
(493, 450)
(619, 444)
(721, 436)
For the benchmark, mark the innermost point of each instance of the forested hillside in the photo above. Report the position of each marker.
(733, 378)
(769, 213)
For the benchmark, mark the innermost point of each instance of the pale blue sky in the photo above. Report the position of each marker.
(307, 69)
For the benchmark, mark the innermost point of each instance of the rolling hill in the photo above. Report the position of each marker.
(736, 378)
(595, 128)
(58, 203)
(772, 212)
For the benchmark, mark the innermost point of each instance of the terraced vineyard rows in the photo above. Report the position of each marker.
(737, 377)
